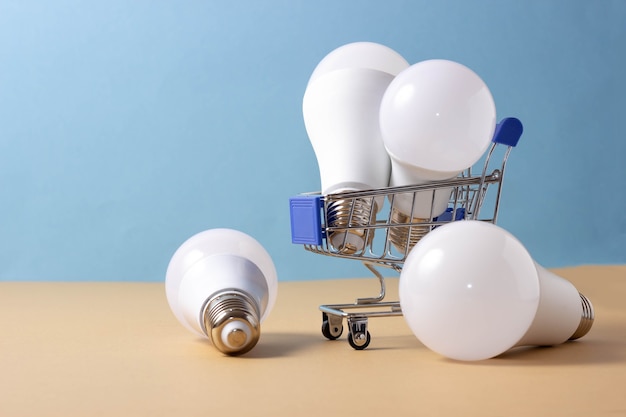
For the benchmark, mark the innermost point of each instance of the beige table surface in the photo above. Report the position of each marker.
(114, 349)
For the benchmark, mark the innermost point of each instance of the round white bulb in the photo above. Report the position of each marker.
(221, 283)
(469, 290)
(361, 55)
(437, 118)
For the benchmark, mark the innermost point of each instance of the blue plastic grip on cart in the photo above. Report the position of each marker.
(508, 131)
(306, 219)
(447, 215)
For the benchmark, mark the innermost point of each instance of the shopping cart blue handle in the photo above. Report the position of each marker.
(306, 219)
(508, 131)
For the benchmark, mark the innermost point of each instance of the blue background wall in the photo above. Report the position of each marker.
(128, 126)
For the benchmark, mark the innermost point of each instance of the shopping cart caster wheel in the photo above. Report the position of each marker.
(359, 341)
(331, 329)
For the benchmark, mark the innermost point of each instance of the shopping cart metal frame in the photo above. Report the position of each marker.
(312, 227)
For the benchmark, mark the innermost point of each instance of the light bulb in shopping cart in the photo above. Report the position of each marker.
(222, 284)
(437, 119)
(340, 108)
(470, 290)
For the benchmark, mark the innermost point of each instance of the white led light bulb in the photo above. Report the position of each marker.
(222, 284)
(469, 290)
(437, 119)
(340, 108)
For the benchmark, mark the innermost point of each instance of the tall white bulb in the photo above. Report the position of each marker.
(469, 290)
(340, 112)
(437, 119)
(222, 284)
(340, 108)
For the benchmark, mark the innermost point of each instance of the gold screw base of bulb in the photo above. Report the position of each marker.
(586, 320)
(232, 322)
(404, 238)
(351, 213)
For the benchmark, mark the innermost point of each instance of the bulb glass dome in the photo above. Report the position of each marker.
(437, 117)
(361, 55)
(469, 290)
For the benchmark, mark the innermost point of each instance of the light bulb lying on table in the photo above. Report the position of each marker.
(222, 284)
(340, 112)
(437, 119)
(469, 290)
(340, 109)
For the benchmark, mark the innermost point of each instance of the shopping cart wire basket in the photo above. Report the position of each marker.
(379, 227)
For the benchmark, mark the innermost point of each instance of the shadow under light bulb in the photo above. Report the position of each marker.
(469, 290)
(222, 284)
(437, 119)
(340, 108)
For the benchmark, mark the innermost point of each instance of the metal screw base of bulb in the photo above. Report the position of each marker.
(232, 321)
(351, 213)
(586, 320)
(404, 238)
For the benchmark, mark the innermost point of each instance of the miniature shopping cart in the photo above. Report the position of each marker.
(379, 227)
